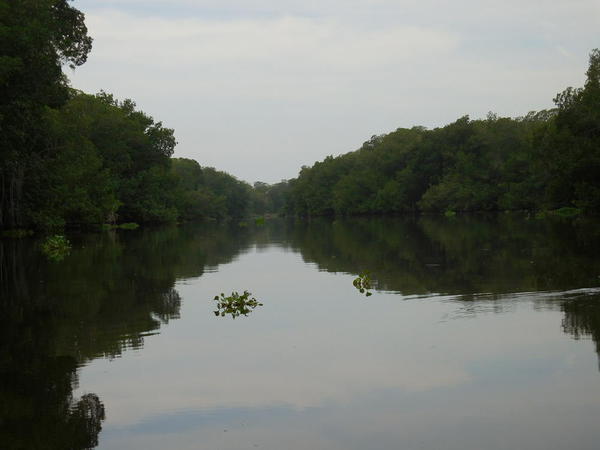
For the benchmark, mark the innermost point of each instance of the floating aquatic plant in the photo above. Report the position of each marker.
(235, 304)
(56, 247)
(450, 213)
(363, 283)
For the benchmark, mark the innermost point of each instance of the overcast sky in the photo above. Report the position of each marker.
(259, 88)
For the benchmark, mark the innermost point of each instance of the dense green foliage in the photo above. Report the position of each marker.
(204, 192)
(36, 38)
(115, 164)
(269, 198)
(105, 161)
(110, 163)
(545, 160)
(70, 158)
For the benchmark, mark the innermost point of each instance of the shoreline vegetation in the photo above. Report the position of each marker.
(76, 160)
(547, 162)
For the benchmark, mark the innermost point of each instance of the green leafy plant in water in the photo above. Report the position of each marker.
(450, 213)
(259, 221)
(363, 283)
(128, 226)
(56, 247)
(235, 304)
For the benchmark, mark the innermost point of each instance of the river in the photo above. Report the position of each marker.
(480, 332)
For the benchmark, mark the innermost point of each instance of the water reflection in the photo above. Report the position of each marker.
(582, 317)
(114, 289)
(462, 256)
(481, 260)
(111, 291)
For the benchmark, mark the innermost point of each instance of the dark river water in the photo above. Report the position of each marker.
(480, 333)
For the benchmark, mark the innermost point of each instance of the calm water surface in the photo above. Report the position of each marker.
(481, 333)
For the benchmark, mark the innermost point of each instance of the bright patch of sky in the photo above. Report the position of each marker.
(259, 88)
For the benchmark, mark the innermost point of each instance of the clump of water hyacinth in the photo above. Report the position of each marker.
(235, 304)
(363, 283)
(56, 247)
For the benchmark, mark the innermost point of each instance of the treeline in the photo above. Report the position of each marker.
(115, 165)
(70, 158)
(103, 161)
(207, 193)
(543, 161)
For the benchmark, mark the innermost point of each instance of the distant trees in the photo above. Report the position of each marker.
(269, 198)
(70, 158)
(545, 160)
(109, 162)
(104, 161)
(206, 193)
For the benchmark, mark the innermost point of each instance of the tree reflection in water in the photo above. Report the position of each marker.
(110, 292)
(498, 255)
(582, 318)
(115, 288)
